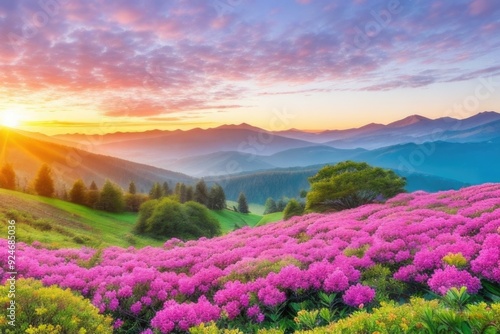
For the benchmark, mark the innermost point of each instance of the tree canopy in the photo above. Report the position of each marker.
(44, 184)
(351, 184)
(111, 198)
(8, 177)
(167, 218)
(78, 194)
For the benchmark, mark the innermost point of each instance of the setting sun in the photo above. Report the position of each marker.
(10, 119)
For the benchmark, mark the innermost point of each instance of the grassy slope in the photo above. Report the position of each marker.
(59, 224)
(270, 218)
(228, 219)
(254, 208)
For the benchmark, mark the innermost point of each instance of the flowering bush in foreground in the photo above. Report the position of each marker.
(42, 309)
(414, 236)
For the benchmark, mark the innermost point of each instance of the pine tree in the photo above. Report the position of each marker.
(78, 194)
(189, 193)
(92, 195)
(156, 191)
(166, 189)
(132, 189)
(8, 177)
(44, 184)
(183, 193)
(217, 200)
(242, 204)
(177, 190)
(271, 206)
(201, 193)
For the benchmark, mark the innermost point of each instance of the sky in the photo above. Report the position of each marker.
(98, 66)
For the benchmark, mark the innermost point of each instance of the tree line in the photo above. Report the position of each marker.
(111, 197)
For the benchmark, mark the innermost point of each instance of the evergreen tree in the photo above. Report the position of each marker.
(156, 191)
(201, 193)
(8, 177)
(78, 194)
(133, 202)
(281, 205)
(177, 190)
(271, 206)
(111, 198)
(242, 204)
(166, 189)
(92, 195)
(132, 189)
(189, 193)
(217, 198)
(183, 193)
(44, 184)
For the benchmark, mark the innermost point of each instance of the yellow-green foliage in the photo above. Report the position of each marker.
(455, 259)
(410, 318)
(212, 328)
(257, 269)
(50, 310)
(358, 252)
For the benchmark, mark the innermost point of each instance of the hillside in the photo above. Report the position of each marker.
(351, 261)
(27, 154)
(56, 223)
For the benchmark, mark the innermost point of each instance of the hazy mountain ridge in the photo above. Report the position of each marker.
(28, 154)
(460, 152)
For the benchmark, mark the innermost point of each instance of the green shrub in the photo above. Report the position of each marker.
(167, 218)
(42, 309)
(418, 316)
(293, 208)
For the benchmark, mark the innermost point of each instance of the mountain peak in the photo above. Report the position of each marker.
(408, 121)
(242, 126)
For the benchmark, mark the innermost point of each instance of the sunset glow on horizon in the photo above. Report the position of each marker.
(107, 66)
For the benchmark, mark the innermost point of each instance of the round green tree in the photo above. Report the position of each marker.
(293, 208)
(350, 184)
(111, 198)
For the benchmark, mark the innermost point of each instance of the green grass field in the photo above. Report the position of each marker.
(230, 219)
(253, 207)
(270, 218)
(58, 224)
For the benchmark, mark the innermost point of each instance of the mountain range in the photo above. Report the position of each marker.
(444, 153)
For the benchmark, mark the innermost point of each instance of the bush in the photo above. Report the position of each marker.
(293, 208)
(418, 316)
(42, 309)
(169, 218)
(350, 184)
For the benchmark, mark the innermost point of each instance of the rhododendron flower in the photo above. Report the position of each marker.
(358, 295)
(444, 279)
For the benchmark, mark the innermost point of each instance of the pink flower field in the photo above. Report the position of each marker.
(431, 241)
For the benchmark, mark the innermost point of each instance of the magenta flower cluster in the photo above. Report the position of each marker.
(186, 283)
